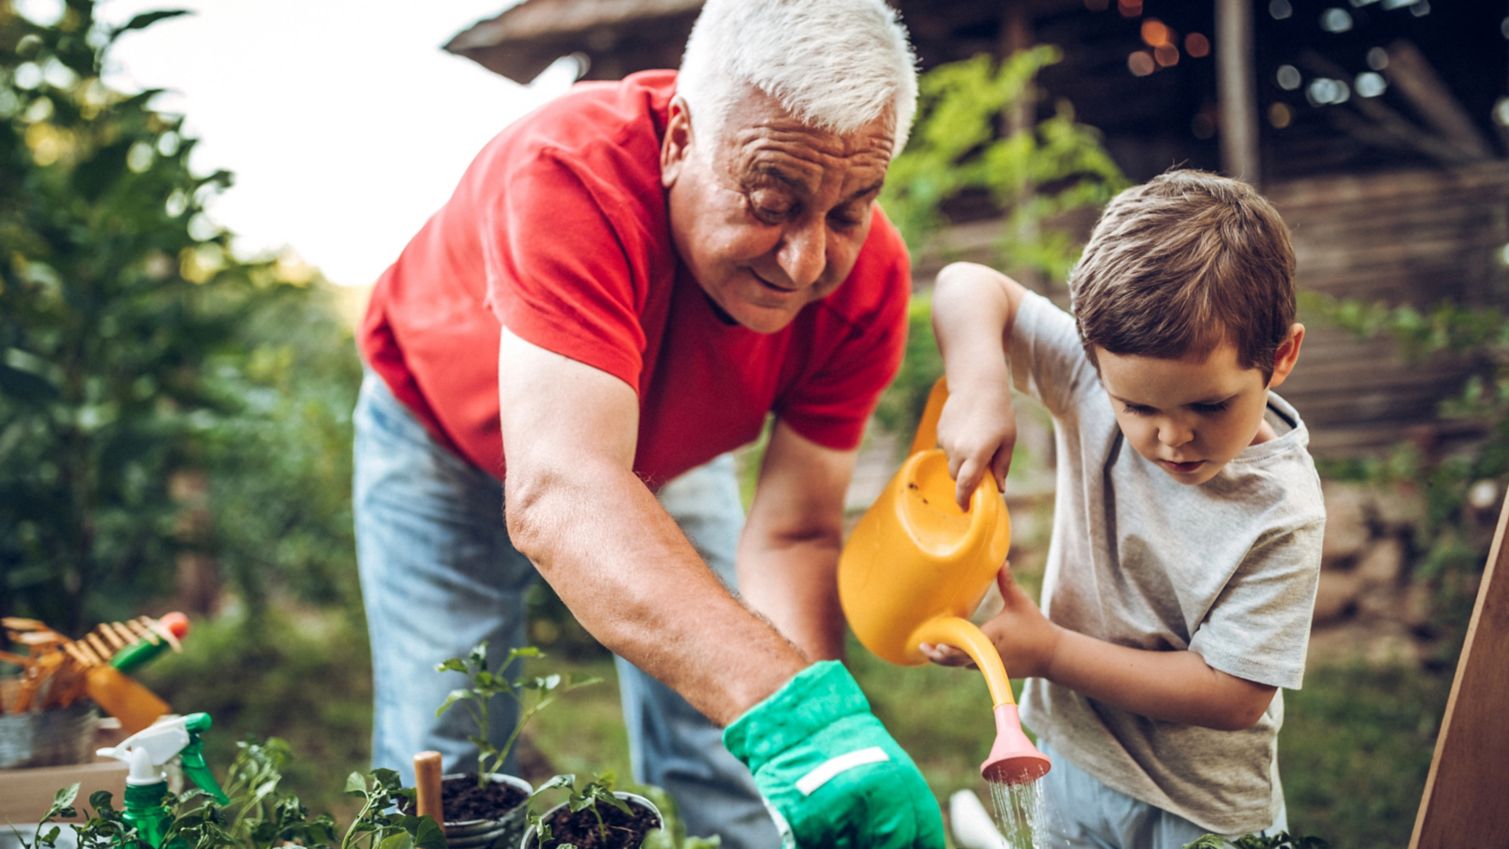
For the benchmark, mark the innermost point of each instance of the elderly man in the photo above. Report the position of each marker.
(624, 286)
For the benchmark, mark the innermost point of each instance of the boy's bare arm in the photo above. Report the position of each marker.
(1174, 686)
(974, 308)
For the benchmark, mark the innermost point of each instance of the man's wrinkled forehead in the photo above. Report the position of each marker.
(760, 139)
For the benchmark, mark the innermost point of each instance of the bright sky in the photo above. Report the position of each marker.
(344, 121)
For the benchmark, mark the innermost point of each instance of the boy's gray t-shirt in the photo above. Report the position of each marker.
(1227, 570)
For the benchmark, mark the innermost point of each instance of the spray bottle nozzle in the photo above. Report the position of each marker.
(146, 751)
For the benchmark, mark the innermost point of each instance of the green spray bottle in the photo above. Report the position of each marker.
(146, 753)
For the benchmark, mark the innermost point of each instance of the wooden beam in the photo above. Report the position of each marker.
(1464, 802)
(1236, 80)
(1412, 74)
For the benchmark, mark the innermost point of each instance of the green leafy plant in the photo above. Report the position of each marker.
(102, 828)
(531, 693)
(1281, 840)
(592, 796)
(258, 815)
(375, 828)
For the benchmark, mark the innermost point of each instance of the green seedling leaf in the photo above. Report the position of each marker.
(64, 798)
(451, 698)
(428, 834)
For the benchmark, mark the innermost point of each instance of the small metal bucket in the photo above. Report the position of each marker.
(493, 833)
(48, 737)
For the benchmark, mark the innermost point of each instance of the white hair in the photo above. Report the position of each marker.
(835, 65)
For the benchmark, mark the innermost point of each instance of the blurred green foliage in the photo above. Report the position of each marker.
(1452, 538)
(1045, 178)
(1355, 750)
(1038, 175)
(139, 357)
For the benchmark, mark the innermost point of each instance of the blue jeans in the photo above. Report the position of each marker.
(1079, 812)
(439, 575)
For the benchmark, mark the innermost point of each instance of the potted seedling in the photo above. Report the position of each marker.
(593, 816)
(486, 808)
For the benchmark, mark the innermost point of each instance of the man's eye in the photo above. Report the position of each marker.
(846, 219)
(1136, 409)
(1211, 408)
(768, 208)
(771, 214)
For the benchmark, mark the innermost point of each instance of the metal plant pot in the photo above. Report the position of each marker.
(504, 831)
(48, 737)
(531, 839)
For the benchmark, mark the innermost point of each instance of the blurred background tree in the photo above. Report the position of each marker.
(169, 413)
(174, 419)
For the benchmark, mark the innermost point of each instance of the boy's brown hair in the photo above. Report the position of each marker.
(1180, 264)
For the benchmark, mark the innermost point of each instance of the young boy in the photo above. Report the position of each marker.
(1187, 528)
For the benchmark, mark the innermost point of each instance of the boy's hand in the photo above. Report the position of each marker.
(1025, 637)
(977, 431)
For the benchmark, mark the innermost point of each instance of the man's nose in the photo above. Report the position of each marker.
(803, 253)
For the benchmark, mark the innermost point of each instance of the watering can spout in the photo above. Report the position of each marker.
(1013, 759)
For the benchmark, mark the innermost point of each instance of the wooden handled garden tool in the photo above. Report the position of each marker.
(916, 566)
(103, 657)
(427, 798)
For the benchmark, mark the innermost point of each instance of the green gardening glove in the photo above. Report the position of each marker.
(829, 771)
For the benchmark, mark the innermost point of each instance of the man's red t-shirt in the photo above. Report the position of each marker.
(559, 231)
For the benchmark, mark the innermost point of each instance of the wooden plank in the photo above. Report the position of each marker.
(1464, 803)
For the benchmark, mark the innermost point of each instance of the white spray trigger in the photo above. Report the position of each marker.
(146, 751)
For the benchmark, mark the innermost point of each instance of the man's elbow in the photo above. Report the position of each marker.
(524, 513)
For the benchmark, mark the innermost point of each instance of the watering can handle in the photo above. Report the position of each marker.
(927, 428)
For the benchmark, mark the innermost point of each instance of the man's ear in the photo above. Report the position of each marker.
(677, 144)
(1287, 354)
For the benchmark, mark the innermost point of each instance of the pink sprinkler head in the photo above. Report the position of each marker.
(1013, 759)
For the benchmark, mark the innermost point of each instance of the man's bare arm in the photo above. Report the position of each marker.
(575, 507)
(788, 554)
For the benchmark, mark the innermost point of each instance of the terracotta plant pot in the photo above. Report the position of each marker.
(580, 828)
(491, 832)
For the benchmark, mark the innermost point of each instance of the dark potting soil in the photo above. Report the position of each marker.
(621, 830)
(463, 800)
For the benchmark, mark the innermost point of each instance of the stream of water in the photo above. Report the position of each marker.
(1018, 810)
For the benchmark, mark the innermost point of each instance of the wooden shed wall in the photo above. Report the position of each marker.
(1406, 237)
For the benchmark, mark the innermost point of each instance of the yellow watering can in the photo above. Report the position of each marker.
(916, 566)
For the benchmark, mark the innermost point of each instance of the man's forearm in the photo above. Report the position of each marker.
(794, 584)
(624, 568)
